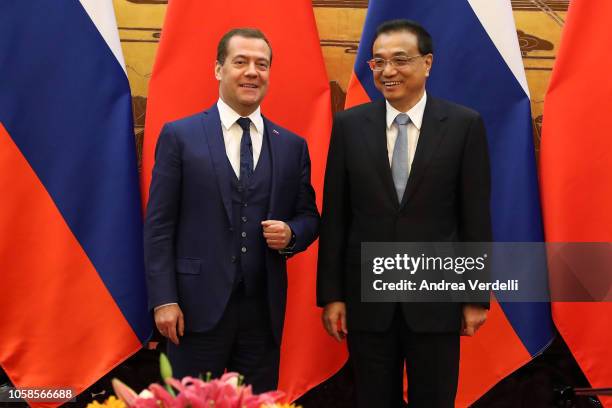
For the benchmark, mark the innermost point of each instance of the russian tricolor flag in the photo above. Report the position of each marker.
(477, 63)
(72, 298)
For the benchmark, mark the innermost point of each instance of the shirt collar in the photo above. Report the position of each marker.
(229, 116)
(415, 113)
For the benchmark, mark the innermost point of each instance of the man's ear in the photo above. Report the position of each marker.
(428, 63)
(218, 70)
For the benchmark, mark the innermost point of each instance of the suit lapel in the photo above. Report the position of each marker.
(214, 136)
(272, 136)
(432, 132)
(375, 132)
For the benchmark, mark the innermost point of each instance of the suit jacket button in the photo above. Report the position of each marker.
(233, 259)
(243, 249)
(243, 235)
(244, 219)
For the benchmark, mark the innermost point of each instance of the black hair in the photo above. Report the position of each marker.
(424, 41)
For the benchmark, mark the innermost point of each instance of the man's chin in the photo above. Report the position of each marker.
(249, 104)
(392, 96)
(249, 98)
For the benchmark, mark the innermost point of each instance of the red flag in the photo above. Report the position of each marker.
(183, 83)
(576, 172)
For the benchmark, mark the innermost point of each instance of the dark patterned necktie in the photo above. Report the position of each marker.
(246, 149)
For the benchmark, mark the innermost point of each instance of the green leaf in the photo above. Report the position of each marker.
(165, 367)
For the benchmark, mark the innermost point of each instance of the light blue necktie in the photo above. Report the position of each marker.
(399, 161)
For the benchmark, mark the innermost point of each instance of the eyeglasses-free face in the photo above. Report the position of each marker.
(243, 76)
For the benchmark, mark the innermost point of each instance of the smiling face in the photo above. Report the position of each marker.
(403, 87)
(243, 76)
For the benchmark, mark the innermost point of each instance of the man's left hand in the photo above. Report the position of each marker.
(474, 316)
(276, 233)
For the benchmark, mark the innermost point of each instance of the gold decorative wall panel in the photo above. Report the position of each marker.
(339, 22)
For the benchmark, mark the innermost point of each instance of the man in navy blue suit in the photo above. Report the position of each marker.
(230, 200)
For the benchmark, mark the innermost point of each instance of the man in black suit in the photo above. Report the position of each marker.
(407, 168)
(230, 199)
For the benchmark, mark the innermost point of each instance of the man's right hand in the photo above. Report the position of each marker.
(168, 319)
(334, 320)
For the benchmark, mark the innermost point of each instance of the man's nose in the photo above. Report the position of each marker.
(389, 69)
(251, 70)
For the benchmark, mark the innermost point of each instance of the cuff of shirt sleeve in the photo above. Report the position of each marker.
(288, 250)
(165, 304)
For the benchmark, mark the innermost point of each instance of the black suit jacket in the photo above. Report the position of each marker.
(446, 200)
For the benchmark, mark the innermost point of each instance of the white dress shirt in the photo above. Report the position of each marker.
(414, 128)
(232, 133)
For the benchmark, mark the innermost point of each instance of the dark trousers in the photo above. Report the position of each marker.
(432, 365)
(242, 341)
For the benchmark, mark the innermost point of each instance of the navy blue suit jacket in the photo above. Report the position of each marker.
(188, 229)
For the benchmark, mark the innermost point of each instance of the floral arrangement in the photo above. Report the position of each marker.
(225, 392)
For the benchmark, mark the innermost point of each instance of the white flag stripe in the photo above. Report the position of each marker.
(498, 21)
(102, 14)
